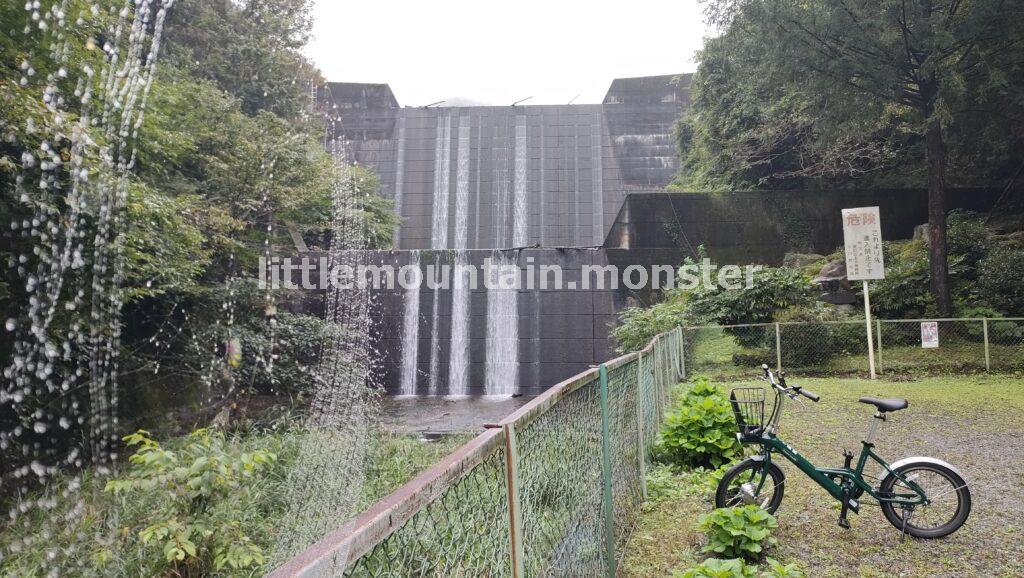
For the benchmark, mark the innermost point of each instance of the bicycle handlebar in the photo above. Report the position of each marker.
(809, 394)
(781, 385)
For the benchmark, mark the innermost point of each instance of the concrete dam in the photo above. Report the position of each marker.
(567, 185)
(487, 182)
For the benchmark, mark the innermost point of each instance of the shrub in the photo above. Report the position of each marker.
(742, 531)
(778, 570)
(1001, 279)
(714, 568)
(738, 568)
(773, 289)
(202, 488)
(702, 432)
(638, 326)
(663, 484)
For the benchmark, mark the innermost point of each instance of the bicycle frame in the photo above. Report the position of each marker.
(841, 483)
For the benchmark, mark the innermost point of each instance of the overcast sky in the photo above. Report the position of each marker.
(491, 52)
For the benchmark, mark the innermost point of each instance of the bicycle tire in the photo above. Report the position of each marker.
(725, 497)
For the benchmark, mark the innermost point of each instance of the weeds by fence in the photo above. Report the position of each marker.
(552, 490)
(840, 348)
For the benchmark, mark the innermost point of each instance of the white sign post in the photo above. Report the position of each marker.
(862, 233)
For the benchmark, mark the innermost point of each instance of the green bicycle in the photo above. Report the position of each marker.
(921, 496)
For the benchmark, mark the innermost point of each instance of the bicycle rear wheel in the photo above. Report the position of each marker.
(948, 495)
(741, 485)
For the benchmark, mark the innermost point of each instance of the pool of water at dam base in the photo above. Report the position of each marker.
(444, 415)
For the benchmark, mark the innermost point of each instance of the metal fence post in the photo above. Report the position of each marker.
(878, 332)
(988, 357)
(778, 348)
(606, 474)
(682, 353)
(640, 429)
(515, 514)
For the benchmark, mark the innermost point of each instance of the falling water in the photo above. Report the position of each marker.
(520, 212)
(597, 181)
(439, 234)
(399, 178)
(458, 358)
(411, 332)
(325, 487)
(502, 367)
(499, 188)
(61, 385)
(442, 182)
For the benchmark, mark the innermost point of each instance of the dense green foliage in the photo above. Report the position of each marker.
(738, 532)
(205, 504)
(701, 431)
(229, 164)
(194, 523)
(897, 93)
(985, 271)
(797, 94)
(773, 289)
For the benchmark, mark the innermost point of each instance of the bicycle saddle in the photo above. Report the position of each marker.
(885, 404)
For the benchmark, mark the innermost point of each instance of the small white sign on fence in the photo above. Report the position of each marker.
(862, 233)
(930, 335)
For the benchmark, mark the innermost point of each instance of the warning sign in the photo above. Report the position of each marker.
(862, 232)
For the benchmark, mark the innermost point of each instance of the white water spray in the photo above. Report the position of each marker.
(458, 359)
(520, 210)
(410, 332)
(439, 234)
(502, 367)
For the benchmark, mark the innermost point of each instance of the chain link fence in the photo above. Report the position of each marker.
(552, 490)
(841, 347)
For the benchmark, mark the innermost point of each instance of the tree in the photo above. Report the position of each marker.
(858, 85)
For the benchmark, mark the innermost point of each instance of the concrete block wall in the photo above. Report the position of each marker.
(580, 160)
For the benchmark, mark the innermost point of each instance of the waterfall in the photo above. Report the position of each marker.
(442, 181)
(439, 235)
(411, 331)
(597, 180)
(520, 212)
(458, 357)
(499, 187)
(399, 178)
(502, 368)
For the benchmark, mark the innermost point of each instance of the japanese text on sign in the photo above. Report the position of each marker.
(862, 231)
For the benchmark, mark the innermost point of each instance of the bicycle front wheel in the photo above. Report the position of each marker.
(947, 493)
(746, 483)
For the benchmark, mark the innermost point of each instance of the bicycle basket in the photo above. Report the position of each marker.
(748, 407)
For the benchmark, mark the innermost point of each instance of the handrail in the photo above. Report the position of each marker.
(543, 402)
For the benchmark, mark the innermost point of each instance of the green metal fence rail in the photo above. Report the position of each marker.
(840, 347)
(554, 489)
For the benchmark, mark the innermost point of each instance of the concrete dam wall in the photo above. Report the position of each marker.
(512, 176)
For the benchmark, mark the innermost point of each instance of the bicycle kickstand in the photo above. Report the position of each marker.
(843, 522)
(907, 513)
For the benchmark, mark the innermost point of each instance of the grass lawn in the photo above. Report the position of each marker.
(971, 422)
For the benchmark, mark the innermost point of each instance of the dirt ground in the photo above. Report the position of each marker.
(973, 423)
